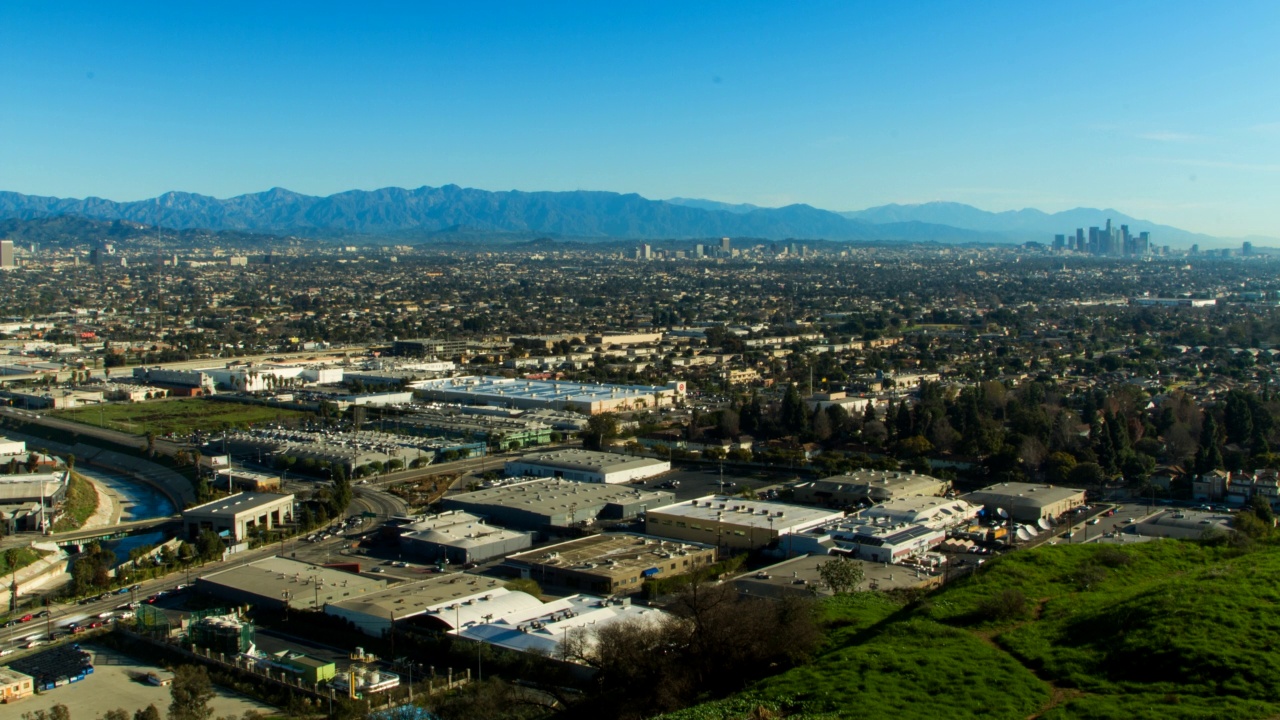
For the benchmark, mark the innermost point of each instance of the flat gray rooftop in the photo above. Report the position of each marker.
(553, 495)
(307, 584)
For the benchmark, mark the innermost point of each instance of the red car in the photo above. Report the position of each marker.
(26, 618)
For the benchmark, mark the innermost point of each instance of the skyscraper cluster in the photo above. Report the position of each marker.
(1108, 242)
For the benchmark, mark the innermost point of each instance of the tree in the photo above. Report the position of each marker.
(841, 574)
(117, 714)
(600, 428)
(1209, 456)
(190, 694)
(1086, 475)
(792, 416)
(150, 712)
(1260, 507)
(59, 712)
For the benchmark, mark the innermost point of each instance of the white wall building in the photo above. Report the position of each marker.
(587, 466)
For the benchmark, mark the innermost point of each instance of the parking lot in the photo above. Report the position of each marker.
(113, 685)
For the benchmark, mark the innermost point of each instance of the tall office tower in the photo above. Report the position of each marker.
(1095, 241)
(700, 250)
(1144, 243)
(1059, 243)
(1246, 249)
(646, 251)
(7, 259)
(1080, 239)
(724, 245)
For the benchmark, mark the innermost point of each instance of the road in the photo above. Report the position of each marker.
(63, 613)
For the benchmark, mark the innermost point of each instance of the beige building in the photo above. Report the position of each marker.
(875, 486)
(15, 685)
(238, 515)
(734, 522)
(1028, 502)
(610, 564)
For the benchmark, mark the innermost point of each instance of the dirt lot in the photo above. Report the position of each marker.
(112, 686)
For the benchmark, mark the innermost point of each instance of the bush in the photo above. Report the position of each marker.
(1003, 605)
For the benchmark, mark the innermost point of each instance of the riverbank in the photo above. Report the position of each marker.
(108, 511)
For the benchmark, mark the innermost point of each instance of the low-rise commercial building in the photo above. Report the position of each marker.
(612, 563)
(459, 538)
(887, 543)
(586, 398)
(933, 512)
(545, 628)
(15, 685)
(443, 602)
(874, 486)
(236, 516)
(556, 502)
(1028, 502)
(587, 466)
(275, 581)
(734, 522)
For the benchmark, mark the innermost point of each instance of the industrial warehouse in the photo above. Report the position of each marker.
(458, 538)
(587, 466)
(555, 502)
(589, 399)
(869, 486)
(610, 564)
(275, 581)
(734, 522)
(1028, 502)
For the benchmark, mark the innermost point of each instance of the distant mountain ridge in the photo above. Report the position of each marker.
(426, 213)
(1029, 223)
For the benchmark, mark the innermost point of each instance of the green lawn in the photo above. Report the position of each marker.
(1164, 629)
(181, 416)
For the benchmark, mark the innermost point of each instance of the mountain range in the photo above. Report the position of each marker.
(428, 213)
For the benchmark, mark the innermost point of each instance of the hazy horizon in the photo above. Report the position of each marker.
(1159, 111)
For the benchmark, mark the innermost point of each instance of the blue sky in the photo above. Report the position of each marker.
(1168, 111)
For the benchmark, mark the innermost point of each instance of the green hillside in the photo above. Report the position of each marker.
(1162, 630)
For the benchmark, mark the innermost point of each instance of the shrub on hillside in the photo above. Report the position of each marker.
(1006, 604)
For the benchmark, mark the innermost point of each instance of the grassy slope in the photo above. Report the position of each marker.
(82, 501)
(177, 416)
(1158, 630)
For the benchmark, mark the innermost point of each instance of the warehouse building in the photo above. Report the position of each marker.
(610, 564)
(934, 512)
(274, 581)
(587, 466)
(873, 486)
(734, 522)
(543, 629)
(497, 430)
(236, 516)
(443, 602)
(1028, 502)
(887, 543)
(459, 538)
(556, 502)
(586, 398)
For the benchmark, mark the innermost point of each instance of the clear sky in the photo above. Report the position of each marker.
(1169, 111)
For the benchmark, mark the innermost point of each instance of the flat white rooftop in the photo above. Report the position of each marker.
(238, 503)
(498, 388)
